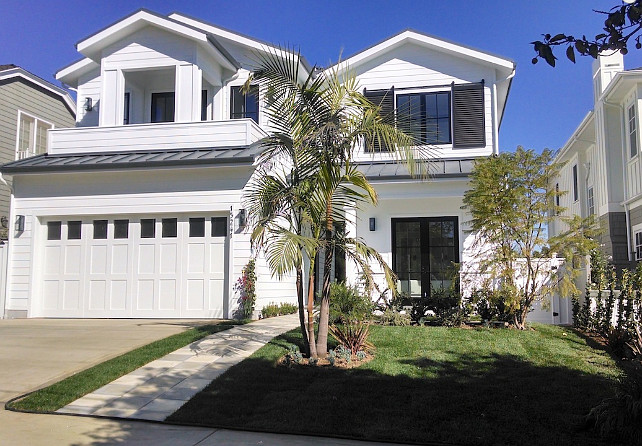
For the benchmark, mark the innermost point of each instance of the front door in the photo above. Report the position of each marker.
(423, 252)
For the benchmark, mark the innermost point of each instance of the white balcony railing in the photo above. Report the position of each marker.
(157, 136)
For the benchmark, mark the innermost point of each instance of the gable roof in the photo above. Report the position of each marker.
(11, 71)
(428, 41)
(92, 45)
(240, 38)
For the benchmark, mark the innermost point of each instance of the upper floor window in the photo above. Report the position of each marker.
(32, 136)
(425, 116)
(163, 107)
(244, 105)
(638, 245)
(126, 107)
(633, 131)
(455, 116)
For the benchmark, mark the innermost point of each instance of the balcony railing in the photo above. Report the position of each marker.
(157, 136)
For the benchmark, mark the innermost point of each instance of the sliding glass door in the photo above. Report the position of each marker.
(423, 252)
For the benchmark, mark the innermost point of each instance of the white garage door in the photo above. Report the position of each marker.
(171, 266)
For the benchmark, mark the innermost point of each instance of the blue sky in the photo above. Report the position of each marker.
(545, 104)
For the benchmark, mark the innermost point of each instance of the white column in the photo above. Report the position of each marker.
(189, 83)
(111, 98)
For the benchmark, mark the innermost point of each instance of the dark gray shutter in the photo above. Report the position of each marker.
(468, 116)
(386, 100)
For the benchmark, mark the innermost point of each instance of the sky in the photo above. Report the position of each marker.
(545, 104)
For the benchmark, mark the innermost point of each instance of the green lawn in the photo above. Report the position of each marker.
(426, 384)
(52, 398)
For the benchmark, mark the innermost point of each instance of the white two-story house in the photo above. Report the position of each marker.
(137, 211)
(603, 172)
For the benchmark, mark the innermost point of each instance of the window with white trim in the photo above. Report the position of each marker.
(633, 131)
(637, 237)
(32, 136)
(590, 199)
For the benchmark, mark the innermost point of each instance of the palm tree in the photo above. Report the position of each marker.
(306, 177)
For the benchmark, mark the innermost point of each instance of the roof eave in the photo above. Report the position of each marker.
(21, 72)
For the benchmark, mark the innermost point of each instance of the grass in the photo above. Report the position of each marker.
(52, 398)
(426, 384)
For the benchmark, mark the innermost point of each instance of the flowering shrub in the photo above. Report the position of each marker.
(246, 286)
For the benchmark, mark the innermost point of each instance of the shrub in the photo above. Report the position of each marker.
(286, 308)
(347, 303)
(246, 286)
(352, 335)
(620, 417)
(270, 310)
(293, 356)
(489, 305)
(391, 316)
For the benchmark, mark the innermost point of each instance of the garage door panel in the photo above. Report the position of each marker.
(168, 258)
(195, 294)
(217, 258)
(167, 294)
(97, 294)
(119, 259)
(72, 260)
(196, 258)
(71, 295)
(98, 259)
(52, 259)
(216, 295)
(145, 295)
(118, 295)
(50, 296)
(146, 259)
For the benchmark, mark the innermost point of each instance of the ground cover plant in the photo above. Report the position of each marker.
(52, 398)
(425, 384)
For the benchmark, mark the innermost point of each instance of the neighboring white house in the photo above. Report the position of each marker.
(603, 170)
(137, 211)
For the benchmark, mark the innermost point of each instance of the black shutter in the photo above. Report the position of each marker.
(386, 100)
(468, 116)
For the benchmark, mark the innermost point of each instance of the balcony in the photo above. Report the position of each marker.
(156, 136)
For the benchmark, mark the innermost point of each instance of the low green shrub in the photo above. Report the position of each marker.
(392, 316)
(273, 309)
(348, 303)
(352, 336)
(270, 310)
(489, 305)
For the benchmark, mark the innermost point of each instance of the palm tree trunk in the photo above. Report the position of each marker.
(312, 345)
(299, 294)
(324, 310)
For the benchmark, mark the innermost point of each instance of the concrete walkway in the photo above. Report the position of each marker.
(158, 389)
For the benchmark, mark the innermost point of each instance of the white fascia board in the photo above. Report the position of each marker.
(69, 75)
(574, 137)
(19, 72)
(236, 37)
(91, 46)
(431, 42)
(621, 83)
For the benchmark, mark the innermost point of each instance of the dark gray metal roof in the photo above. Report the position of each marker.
(397, 170)
(130, 160)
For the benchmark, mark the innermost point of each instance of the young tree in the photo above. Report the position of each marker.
(511, 205)
(622, 25)
(306, 177)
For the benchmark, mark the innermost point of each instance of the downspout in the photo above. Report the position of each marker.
(624, 182)
(495, 113)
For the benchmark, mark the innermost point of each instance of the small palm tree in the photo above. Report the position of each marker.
(306, 176)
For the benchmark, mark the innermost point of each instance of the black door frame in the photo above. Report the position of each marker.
(424, 244)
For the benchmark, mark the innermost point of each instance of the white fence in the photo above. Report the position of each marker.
(4, 255)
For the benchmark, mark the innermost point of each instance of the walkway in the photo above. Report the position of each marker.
(158, 389)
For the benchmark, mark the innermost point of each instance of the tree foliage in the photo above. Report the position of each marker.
(622, 28)
(511, 207)
(306, 177)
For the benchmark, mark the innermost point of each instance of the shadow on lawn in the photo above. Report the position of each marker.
(470, 399)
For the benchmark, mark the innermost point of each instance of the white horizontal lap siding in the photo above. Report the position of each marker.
(89, 86)
(156, 194)
(165, 136)
(412, 66)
